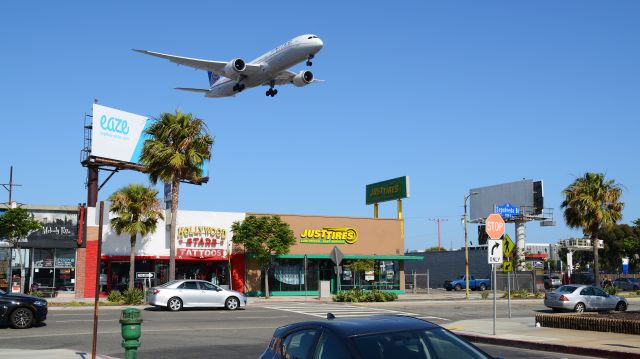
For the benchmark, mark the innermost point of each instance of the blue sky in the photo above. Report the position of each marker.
(455, 95)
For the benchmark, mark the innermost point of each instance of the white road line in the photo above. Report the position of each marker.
(431, 317)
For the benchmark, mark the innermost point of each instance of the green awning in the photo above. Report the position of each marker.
(326, 256)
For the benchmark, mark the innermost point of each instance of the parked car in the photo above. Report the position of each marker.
(460, 283)
(375, 337)
(627, 283)
(552, 282)
(580, 298)
(22, 311)
(179, 294)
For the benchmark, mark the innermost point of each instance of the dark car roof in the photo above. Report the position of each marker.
(350, 327)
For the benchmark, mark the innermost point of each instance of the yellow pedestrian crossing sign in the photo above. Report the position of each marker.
(507, 266)
(507, 246)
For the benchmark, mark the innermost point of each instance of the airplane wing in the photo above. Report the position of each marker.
(286, 77)
(207, 65)
(190, 89)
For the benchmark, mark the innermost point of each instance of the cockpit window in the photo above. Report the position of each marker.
(312, 37)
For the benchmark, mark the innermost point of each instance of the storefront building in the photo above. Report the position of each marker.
(373, 254)
(203, 251)
(372, 248)
(49, 255)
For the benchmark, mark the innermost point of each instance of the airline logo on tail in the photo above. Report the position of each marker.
(213, 78)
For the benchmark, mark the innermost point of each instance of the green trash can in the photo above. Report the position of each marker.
(131, 329)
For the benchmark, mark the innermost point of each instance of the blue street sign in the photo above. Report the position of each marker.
(507, 210)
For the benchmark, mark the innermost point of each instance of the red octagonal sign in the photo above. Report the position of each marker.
(494, 226)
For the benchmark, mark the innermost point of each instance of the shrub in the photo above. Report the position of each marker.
(115, 296)
(612, 290)
(637, 292)
(359, 295)
(484, 294)
(521, 293)
(133, 296)
(539, 295)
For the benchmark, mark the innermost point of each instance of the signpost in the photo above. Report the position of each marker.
(494, 226)
(507, 266)
(336, 257)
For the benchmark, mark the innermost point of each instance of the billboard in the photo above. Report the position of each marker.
(513, 199)
(388, 190)
(120, 135)
(117, 135)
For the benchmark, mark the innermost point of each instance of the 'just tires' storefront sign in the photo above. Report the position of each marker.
(329, 236)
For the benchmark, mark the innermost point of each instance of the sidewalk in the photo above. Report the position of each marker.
(523, 333)
(48, 353)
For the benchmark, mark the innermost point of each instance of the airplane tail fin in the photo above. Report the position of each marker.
(213, 78)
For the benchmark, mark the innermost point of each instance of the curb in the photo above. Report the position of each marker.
(558, 348)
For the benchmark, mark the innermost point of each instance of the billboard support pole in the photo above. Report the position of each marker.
(92, 185)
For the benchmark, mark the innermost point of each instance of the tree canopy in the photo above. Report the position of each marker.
(16, 224)
(263, 236)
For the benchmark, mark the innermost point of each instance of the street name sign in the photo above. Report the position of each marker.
(494, 251)
(507, 210)
(494, 226)
(145, 275)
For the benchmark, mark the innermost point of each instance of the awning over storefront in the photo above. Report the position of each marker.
(326, 256)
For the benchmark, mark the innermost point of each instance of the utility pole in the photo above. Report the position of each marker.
(438, 221)
(466, 245)
(9, 186)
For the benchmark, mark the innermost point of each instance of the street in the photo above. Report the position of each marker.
(239, 334)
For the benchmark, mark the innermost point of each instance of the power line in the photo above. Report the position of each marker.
(438, 221)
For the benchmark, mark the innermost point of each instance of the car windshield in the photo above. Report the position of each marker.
(459, 277)
(420, 344)
(566, 289)
(2, 292)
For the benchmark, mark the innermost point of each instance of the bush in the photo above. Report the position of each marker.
(359, 295)
(539, 295)
(611, 290)
(637, 292)
(484, 294)
(520, 293)
(115, 296)
(133, 296)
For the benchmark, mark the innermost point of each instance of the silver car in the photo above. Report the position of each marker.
(581, 298)
(188, 293)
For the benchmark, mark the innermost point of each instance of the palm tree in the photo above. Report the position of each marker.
(177, 147)
(591, 202)
(138, 210)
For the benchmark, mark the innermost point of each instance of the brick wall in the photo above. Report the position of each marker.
(90, 263)
(80, 272)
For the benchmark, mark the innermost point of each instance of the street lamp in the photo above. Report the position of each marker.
(466, 244)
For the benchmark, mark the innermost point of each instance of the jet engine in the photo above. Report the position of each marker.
(303, 78)
(234, 67)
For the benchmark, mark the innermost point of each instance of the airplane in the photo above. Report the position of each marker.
(271, 69)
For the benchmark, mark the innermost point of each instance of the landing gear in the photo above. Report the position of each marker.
(271, 92)
(309, 58)
(238, 87)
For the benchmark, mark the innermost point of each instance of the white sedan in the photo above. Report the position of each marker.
(188, 293)
(581, 298)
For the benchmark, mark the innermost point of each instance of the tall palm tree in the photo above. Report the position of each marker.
(177, 147)
(138, 210)
(592, 202)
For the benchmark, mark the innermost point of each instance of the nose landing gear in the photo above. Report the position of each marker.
(309, 58)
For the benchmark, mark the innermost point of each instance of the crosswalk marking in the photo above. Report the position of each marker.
(342, 310)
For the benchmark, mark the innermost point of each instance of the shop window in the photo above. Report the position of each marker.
(287, 274)
(43, 258)
(65, 279)
(4, 269)
(370, 274)
(65, 258)
(42, 277)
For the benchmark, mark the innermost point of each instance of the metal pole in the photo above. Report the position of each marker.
(466, 249)
(97, 282)
(414, 282)
(305, 277)
(509, 291)
(428, 286)
(494, 298)
(10, 184)
(375, 210)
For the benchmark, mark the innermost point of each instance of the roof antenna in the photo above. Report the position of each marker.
(330, 316)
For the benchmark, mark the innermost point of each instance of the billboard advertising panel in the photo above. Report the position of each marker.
(120, 135)
(388, 190)
(117, 134)
(515, 197)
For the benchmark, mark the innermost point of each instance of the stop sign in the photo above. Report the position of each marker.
(494, 226)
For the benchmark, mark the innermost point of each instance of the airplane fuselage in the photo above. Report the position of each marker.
(273, 62)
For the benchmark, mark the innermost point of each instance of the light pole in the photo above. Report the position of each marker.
(466, 245)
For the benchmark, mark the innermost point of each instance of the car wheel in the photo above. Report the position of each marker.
(621, 306)
(458, 287)
(21, 318)
(483, 287)
(579, 308)
(232, 303)
(174, 304)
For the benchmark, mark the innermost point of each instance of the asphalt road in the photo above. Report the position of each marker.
(240, 334)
